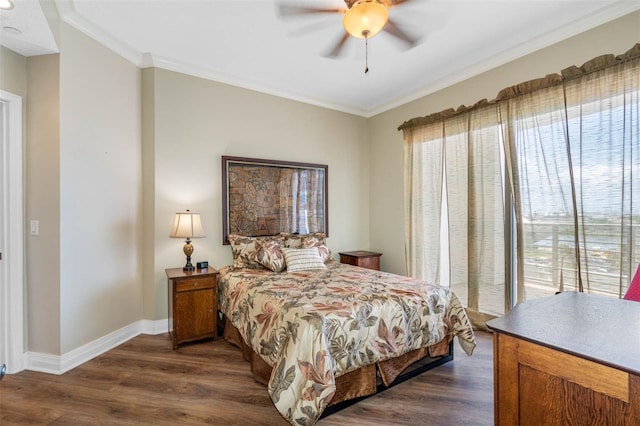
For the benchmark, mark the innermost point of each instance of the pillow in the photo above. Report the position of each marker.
(269, 254)
(244, 250)
(303, 259)
(312, 241)
(295, 240)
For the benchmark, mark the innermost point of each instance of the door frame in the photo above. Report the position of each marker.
(12, 351)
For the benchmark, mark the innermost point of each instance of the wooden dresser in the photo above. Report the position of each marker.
(193, 305)
(362, 258)
(570, 359)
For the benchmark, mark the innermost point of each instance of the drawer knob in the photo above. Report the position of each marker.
(195, 283)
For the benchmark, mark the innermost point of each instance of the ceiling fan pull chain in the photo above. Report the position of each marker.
(366, 54)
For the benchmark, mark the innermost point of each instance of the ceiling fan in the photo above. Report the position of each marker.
(361, 19)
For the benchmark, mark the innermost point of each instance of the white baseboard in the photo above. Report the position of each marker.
(44, 363)
(54, 364)
(155, 326)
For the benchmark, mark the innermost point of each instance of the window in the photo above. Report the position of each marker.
(517, 198)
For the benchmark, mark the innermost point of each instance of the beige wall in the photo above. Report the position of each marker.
(42, 203)
(197, 121)
(133, 141)
(83, 182)
(386, 180)
(13, 77)
(100, 191)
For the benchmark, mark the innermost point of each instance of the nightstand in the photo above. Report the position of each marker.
(362, 258)
(193, 304)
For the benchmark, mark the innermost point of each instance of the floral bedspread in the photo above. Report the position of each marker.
(314, 326)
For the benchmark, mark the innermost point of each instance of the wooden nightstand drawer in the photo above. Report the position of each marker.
(195, 283)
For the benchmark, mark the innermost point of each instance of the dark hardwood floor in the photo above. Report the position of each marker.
(144, 382)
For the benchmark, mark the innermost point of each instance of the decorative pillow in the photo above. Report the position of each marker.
(269, 254)
(312, 241)
(295, 240)
(302, 259)
(244, 250)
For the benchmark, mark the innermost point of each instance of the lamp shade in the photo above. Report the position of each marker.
(187, 225)
(365, 18)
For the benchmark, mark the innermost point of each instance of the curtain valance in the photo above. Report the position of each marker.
(570, 73)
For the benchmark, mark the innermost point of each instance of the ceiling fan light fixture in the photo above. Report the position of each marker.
(6, 4)
(365, 18)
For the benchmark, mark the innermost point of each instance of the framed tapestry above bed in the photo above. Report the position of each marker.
(266, 197)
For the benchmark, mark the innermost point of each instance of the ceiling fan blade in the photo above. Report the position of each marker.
(395, 31)
(335, 52)
(310, 28)
(290, 10)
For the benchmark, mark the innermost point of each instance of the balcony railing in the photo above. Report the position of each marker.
(549, 256)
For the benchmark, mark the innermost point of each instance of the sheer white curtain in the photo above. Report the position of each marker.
(475, 206)
(561, 156)
(460, 150)
(423, 165)
(604, 135)
(577, 180)
(543, 186)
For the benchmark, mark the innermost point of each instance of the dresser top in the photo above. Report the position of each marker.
(598, 328)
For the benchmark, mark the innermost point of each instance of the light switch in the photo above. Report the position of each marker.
(35, 227)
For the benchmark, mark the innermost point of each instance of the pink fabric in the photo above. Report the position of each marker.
(633, 292)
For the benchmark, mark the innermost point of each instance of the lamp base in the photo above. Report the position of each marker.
(188, 251)
(189, 266)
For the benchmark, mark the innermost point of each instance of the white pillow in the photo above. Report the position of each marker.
(302, 259)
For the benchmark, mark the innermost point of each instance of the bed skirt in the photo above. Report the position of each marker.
(359, 383)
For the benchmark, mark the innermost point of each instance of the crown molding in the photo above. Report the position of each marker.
(68, 14)
(208, 74)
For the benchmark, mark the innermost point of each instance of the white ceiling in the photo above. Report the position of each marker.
(33, 37)
(249, 44)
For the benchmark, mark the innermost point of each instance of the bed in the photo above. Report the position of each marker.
(325, 332)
